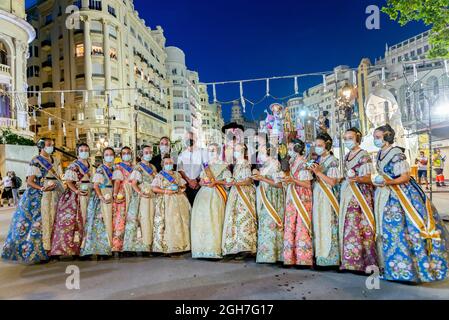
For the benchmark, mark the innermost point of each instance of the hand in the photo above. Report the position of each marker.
(315, 168)
(81, 193)
(105, 201)
(288, 180)
(118, 201)
(257, 177)
(230, 184)
(193, 183)
(355, 179)
(144, 195)
(212, 184)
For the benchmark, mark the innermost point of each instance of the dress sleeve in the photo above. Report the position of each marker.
(367, 167)
(136, 175)
(157, 181)
(118, 175)
(33, 171)
(400, 164)
(98, 178)
(70, 175)
(334, 171)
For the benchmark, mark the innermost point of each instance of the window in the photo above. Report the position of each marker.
(426, 48)
(113, 32)
(48, 19)
(111, 11)
(79, 50)
(133, 32)
(117, 140)
(113, 53)
(96, 26)
(98, 69)
(97, 49)
(95, 5)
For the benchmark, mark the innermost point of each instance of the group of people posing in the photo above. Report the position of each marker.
(314, 214)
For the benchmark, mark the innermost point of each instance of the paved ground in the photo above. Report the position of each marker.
(184, 278)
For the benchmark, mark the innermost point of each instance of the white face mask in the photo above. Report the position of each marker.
(237, 155)
(84, 155)
(168, 167)
(127, 157)
(49, 150)
(147, 157)
(164, 149)
(109, 159)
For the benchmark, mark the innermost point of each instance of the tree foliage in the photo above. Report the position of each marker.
(434, 13)
(9, 137)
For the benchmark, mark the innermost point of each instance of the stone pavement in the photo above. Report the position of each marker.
(185, 278)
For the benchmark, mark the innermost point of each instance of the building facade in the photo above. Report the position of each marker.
(302, 118)
(114, 66)
(15, 35)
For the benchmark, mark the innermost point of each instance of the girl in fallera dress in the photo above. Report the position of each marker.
(412, 240)
(139, 221)
(357, 232)
(298, 235)
(25, 240)
(122, 198)
(171, 231)
(270, 208)
(209, 208)
(325, 203)
(240, 224)
(98, 228)
(72, 207)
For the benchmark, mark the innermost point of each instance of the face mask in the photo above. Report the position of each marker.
(109, 159)
(49, 150)
(147, 157)
(164, 149)
(379, 143)
(127, 157)
(237, 155)
(84, 155)
(188, 142)
(213, 155)
(168, 167)
(262, 158)
(319, 151)
(350, 144)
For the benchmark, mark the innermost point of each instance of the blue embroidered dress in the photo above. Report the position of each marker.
(24, 241)
(403, 253)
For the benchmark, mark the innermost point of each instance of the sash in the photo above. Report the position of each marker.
(301, 209)
(83, 168)
(427, 232)
(168, 177)
(366, 209)
(147, 169)
(107, 171)
(248, 205)
(126, 167)
(267, 204)
(330, 196)
(221, 191)
(49, 167)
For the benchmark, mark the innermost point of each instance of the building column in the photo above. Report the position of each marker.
(87, 55)
(107, 58)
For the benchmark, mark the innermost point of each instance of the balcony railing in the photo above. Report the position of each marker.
(46, 44)
(8, 123)
(47, 64)
(47, 85)
(4, 69)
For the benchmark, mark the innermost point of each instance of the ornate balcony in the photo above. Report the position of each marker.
(46, 45)
(5, 70)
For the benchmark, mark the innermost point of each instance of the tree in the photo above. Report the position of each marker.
(8, 137)
(433, 13)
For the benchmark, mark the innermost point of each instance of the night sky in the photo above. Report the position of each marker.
(242, 39)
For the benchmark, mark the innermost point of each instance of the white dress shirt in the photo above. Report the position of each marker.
(191, 162)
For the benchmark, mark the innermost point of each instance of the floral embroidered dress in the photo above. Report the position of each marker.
(404, 253)
(298, 243)
(171, 233)
(24, 242)
(139, 221)
(270, 212)
(121, 173)
(325, 219)
(208, 216)
(69, 223)
(240, 224)
(356, 234)
(98, 229)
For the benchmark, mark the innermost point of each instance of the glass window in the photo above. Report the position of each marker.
(79, 50)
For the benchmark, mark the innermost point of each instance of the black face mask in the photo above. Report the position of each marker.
(190, 142)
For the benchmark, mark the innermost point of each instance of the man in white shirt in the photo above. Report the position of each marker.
(190, 165)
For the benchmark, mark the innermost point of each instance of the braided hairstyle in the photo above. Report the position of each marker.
(327, 140)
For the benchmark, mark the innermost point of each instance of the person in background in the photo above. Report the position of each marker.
(98, 229)
(1, 190)
(122, 198)
(438, 166)
(7, 189)
(209, 207)
(25, 240)
(16, 184)
(171, 234)
(240, 224)
(164, 150)
(190, 163)
(140, 217)
(326, 203)
(298, 241)
(422, 162)
(72, 206)
(357, 232)
(412, 239)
